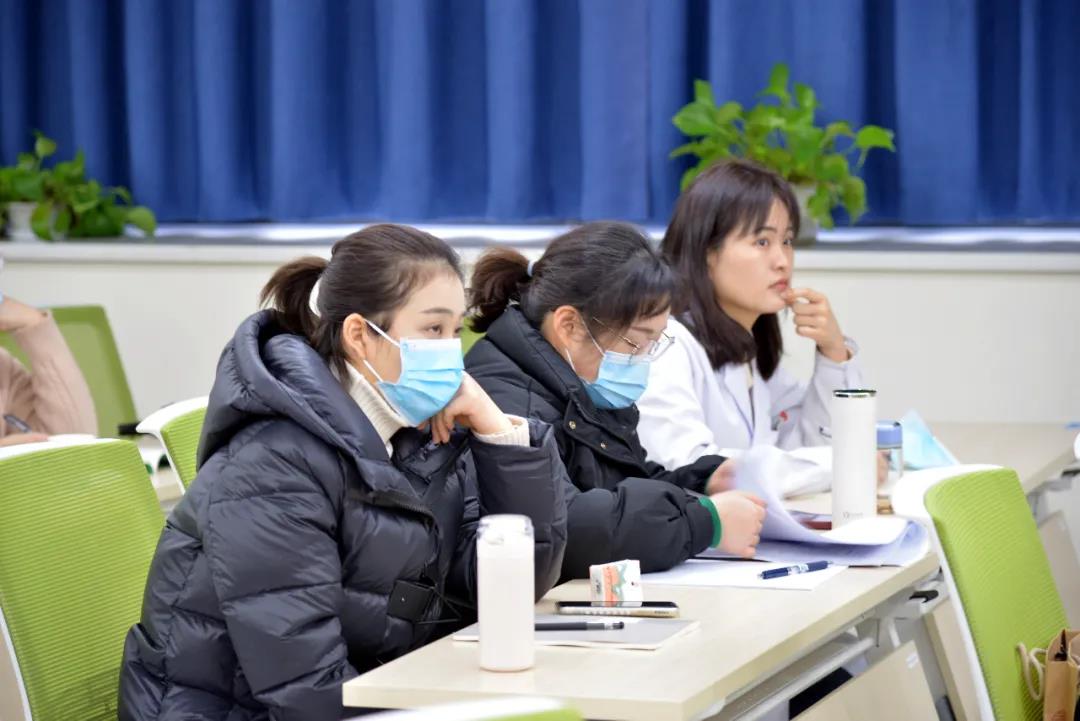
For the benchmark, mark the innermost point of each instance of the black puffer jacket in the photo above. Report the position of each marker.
(622, 506)
(271, 584)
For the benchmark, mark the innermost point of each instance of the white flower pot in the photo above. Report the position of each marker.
(18, 225)
(808, 227)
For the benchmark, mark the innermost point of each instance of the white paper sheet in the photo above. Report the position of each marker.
(739, 574)
(878, 541)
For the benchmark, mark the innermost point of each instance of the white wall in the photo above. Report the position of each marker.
(963, 336)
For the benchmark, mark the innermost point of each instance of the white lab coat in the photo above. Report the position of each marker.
(690, 410)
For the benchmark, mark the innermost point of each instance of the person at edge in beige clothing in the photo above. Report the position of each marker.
(51, 396)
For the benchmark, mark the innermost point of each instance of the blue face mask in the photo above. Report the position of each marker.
(921, 448)
(621, 380)
(431, 372)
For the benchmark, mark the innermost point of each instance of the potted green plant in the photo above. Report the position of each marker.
(780, 133)
(22, 187)
(60, 202)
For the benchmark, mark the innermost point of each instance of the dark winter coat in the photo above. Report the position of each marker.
(621, 506)
(302, 555)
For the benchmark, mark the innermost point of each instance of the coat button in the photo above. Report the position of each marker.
(603, 445)
(573, 425)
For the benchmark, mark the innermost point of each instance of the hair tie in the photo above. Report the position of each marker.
(529, 268)
(313, 299)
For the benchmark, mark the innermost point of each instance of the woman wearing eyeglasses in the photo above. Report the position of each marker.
(569, 340)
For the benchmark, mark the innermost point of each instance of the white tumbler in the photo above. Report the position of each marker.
(505, 597)
(854, 451)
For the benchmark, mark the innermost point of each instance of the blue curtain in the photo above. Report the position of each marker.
(522, 110)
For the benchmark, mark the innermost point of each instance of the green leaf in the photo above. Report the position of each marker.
(122, 193)
(703, 92)
(71, 171)
(779, 160)
(695, 147)
(837, 129)
(834, 168)
(44, 147)
(85, 206)
(729, 112)
(820, 206)
(142, 218)
(63, 221)
(27, 161)
(101, 222)
(695, 119)
(853, 196)
(805, 97)
(778, 82)
(41, 221)
(765, 118)
(805, 144)
(28, 186)
(872, 136)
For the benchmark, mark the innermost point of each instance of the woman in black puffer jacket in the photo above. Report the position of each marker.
(569, 341)
(325, 532)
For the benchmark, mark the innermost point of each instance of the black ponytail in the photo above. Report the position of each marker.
(371, 272)
(609, 271)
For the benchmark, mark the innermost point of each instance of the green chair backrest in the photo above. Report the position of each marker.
(78, 528)
(90, 338)
(992, 546)
(469, 338)
(180, 436)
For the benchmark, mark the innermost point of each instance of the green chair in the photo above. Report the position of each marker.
(178, 427)
(90, 338)
(998, 571)
(78, 528)
(521, 708)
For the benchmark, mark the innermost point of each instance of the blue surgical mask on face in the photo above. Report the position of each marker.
(431, 373)
(621, 380)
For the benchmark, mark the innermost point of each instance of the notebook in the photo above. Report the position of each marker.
(639, 634)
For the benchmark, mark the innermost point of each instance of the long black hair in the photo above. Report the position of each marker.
(732, 196)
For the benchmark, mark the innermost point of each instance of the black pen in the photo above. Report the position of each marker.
(792, 570)
(579, 625)
(19, 423)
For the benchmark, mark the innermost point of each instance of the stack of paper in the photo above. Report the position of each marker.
(876, 541)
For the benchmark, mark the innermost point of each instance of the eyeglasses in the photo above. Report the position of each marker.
(652, 350)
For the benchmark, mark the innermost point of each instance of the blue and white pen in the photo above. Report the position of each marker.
(792, 570)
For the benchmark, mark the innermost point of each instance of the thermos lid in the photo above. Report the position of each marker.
(889, 434)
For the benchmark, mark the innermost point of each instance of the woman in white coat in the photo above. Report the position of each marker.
(720, 385)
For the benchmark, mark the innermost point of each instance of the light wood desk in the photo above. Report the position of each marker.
(1036, 451)
(745, 636)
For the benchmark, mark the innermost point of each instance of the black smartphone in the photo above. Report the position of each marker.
(648, 609)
